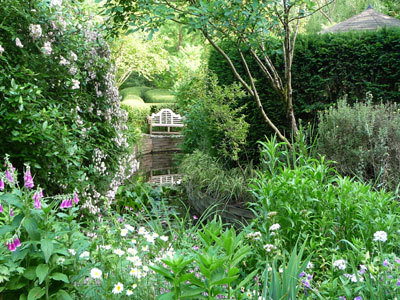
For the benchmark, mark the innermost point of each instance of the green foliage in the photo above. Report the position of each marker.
(325, 68)
(59, 108)
(219, 261)
(41, 265)
(208, 176)
(158, 96)
(136, 55)
(214, 123)
(284, 284)
(133, 91)
(364, 140)
(137, 115)
(307, 197)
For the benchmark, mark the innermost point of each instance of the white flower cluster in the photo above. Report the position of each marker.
(340, 264)
(380, 236)
(269, 247)
(35, 31)
(254, 235)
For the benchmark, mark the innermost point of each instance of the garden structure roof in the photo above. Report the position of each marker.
(369, 19)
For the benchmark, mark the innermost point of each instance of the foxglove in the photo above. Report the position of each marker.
(28, 179)
(76, 199)
(9, 176)
(1, 185)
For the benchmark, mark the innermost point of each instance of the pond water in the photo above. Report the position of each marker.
(160, 168)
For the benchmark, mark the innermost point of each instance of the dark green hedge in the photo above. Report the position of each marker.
(325, 68)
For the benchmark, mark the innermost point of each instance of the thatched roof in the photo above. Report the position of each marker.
(369, 19)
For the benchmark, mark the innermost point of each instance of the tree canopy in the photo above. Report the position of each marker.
(246, 24)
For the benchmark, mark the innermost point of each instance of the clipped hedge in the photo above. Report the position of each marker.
(135, 90)
(325, 68)
(158, 96)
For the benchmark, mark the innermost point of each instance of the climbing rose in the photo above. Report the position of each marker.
(18, 43)
(35, 31)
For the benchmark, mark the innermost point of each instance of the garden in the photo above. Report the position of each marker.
(290, 156)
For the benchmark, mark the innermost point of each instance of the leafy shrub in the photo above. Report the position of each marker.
(206, 174)
(363, 139)
(158, 96)
(137, 115)
(59, 108)
(213, 124)
(308, 198)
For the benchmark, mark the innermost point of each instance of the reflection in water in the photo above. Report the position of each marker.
(160, 168)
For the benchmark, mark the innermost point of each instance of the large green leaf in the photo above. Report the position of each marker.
(5, 229)
(60, 277)
(63, 295)
(36, 293)
(47, 248)
(31, 227)
(41, 272)
(167, 296)
(11, 199)
(30, 273)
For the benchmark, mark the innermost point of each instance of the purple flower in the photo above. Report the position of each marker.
(385, 263)
(195, 217)
(1, 208)
(306, 284)
(36, 197)
(63, 204)
(9, 176)
(17, 242)
(11, 247)
(1, 185)
(28, 179)
(358, 298)
(37, 204)
(76, 199)
(342, 298)
(11, 213)
(398, 282)
(66, 203)
(302, 274)
(195, 248)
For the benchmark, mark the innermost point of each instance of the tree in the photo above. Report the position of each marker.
(134, 54)
(247, 24)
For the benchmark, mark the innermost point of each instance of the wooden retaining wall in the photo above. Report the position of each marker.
(160, 143)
